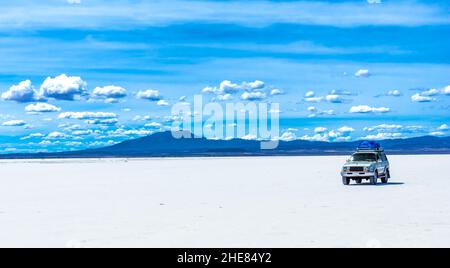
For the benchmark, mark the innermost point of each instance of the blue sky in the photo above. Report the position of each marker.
(345, 69)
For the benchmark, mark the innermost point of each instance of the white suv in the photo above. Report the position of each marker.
(368, 163)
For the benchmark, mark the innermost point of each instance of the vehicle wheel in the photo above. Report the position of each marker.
(374, 179)
(358, 181)
(386, 177)
(345, 180)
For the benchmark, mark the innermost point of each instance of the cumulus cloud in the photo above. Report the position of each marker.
(320, 130)
(41, 108)
(63, 87)
(334, 98)
(346, 130)
(23, 92)
(447, 90)
(14, 123)
(374, 2)
(394, 93)
(383, 136)
(87, 115)
(131, 132)
(314, 99)
(251, 86)
(150, 94)
(430, 94)
(109, 93)
(444, 127)
(392, 131)
(251, 96)
(288, 136)
(229, 87)
(323, 134)
(420, 98)
(153, 125)
(162, 103)
(437, 133)
(310, 94)
(73, 2)
(256, 90)
(363, 73)
(367, 109)
(315, 112)
(104, 122)
(57, 135)
(275, 92)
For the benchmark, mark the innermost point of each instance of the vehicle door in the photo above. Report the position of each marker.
(380, 164)
(385, 161)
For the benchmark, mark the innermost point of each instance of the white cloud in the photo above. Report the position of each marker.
(444, 127)
(14, 123)
(209, 90)
(132, 132)
(320, 130)
(251, 96)
(447, 90)
(23, 92)
(334, 98)
(162, 103)
(437, 133)
(310, 94)
(63, 87)
(362, 73)
(82, 132)
(249, 137)
(33, 135)
(57, 135)
(394, 93)
(431, 92)
(41, 107)
(251, 86)
(105, 122)
(87, 115)
(374, 2)
(109, 92)
(275, 92)
(229, 87)
(73, 2)
(153, 125)
(383, 136)
(314, 99)
(420, 98)
(383, 127)
(368, 109)
(346, 130)
(288, 136)
(150, 94)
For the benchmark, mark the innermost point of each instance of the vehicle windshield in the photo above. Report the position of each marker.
(366, 157)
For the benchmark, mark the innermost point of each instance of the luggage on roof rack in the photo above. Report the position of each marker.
(369, 146)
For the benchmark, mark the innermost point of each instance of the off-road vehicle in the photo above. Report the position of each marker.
(369, 162)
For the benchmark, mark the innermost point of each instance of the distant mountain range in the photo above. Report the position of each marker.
(164, 145)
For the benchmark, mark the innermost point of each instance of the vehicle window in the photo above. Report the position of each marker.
(384, 157)
(367, 157)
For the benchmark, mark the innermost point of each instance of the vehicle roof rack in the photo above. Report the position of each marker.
(369, 146)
